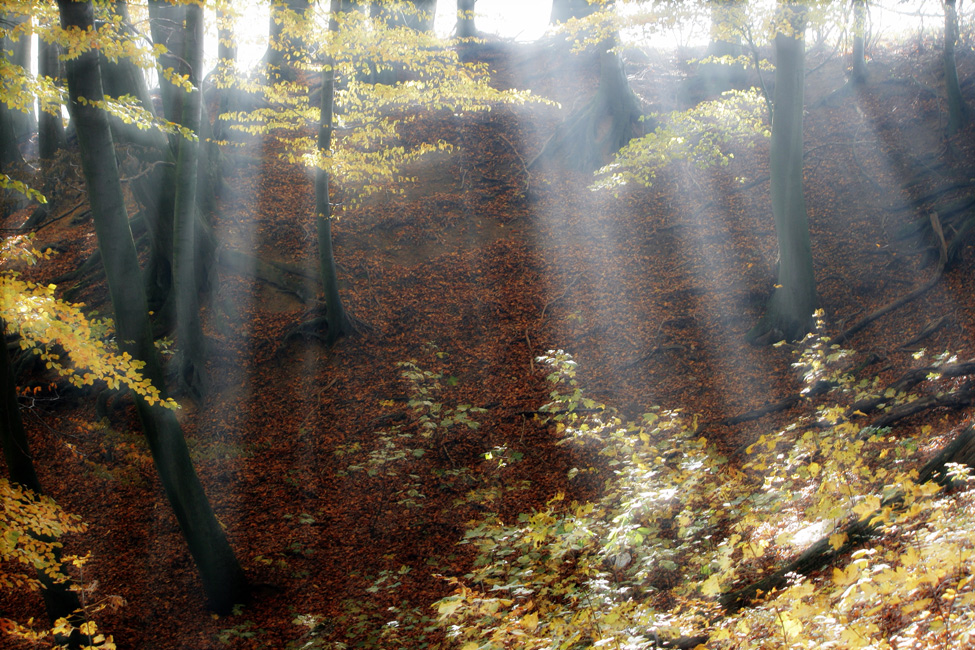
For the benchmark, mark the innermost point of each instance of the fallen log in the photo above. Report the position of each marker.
(960, 450)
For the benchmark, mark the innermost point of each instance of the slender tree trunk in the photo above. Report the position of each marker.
(858, 74)
(336, 318)
(221, 574)
(590, 137)
(10, 154)
(166, 27)
(958, 113)
(563, 10)
(59, 599)
(189, 331)
(50, 128)
(789, 311)
(155, 191)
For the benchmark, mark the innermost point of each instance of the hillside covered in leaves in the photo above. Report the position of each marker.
(548, 429)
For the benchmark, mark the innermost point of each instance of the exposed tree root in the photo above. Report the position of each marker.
(818, 388)
(273, 273)
(315, 327)
(956, 399)
(821, 553)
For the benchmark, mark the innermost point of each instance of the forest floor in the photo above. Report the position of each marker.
(475, 270)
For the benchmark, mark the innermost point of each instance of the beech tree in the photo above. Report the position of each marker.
(221, 574)
(592, 134)
(369, 155)
(788, 314)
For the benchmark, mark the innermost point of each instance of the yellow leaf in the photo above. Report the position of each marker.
(837, 540)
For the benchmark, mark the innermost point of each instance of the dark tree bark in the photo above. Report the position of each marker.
(858, 72)
(589, 138)
(166, 27)
(10, 154)
(23, 124)
(725, 41)
(958, 112)
(788, 314)
(337, 320)
(563, 10)
(50, 128)
(282, 47)
(155, 190)
(222, 577)
(465, 27)
(59, 599)
(191, 371)
(421, 20)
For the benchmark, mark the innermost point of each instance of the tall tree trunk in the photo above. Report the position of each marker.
(465, 19)
(281, 45)
(190, 361)
(590, 137)
(166, 27)
(59, 599)
(155, 190)
(788, 314)
(222, 577)
(336, 318)
(421, 19)
(23, 123)
(858, 73)
(958, 113)
(725, 41)
(10, 154)
(563, 10)
(50, 128)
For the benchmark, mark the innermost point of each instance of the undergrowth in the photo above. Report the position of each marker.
(677, 525)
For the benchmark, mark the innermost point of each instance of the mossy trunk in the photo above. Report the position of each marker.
(788, 314)
(222, 577)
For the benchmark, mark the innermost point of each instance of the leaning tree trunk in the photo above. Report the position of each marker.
(221, 574)
(958, 114)
(788, 314)
(190, 360)
(60, 600)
